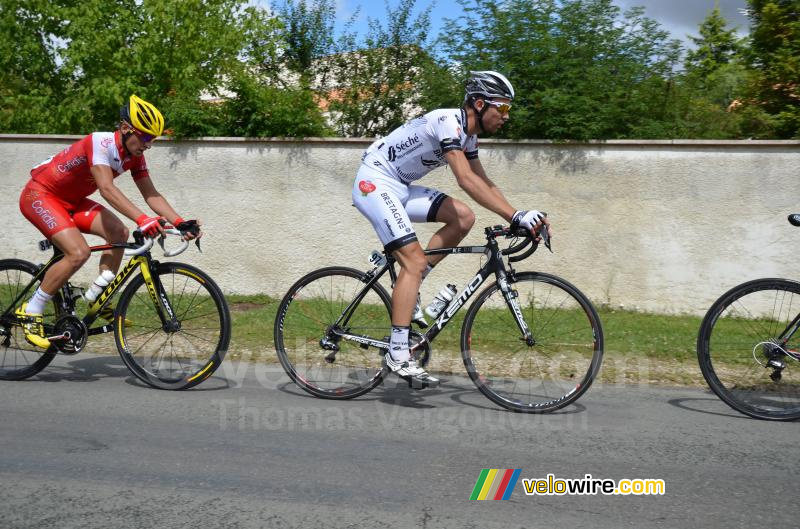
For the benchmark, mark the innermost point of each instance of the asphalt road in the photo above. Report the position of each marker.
(85, 445)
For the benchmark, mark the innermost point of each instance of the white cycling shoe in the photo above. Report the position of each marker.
(411, 372)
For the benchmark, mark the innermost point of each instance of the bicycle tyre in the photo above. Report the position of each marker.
(544, 377)
(306, 312)
(187, 356)
(19, 359)
(731, 349)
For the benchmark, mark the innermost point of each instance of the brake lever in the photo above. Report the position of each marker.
(197, 243)
(544, 233)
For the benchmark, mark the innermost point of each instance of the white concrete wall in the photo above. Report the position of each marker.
(658, 226)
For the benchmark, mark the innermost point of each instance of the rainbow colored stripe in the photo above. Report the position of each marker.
(495, 484)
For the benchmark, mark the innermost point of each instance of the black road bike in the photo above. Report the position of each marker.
(749, 347)
(171, 324)
(531, 342)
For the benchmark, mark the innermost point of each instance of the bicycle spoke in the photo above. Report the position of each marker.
(169, 355)
(542, 377)
(19, 359)
(734, 349)
(310, 308)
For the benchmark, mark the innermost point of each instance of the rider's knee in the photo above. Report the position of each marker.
(77, 257)
(465, 219)
(416, 264)
(118, 234)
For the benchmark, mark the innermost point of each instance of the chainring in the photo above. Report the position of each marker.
(78, 334)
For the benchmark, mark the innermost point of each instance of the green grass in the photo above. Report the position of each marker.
(639, 347)
(650, 348)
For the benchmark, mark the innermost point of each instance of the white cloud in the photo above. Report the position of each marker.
(683, 17)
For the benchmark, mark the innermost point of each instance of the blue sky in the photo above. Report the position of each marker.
(679, 17)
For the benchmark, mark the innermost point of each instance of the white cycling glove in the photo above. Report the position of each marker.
(526, 219)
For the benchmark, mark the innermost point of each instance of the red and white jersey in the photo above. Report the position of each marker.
(410, 152)
(67, 175)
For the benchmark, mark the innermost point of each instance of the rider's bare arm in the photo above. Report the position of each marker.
(104, 179)
(156, 200)
(477, 168)
(477, 185)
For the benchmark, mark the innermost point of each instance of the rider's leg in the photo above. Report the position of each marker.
(412, 263)
(76, 252)
(104, 223)
(108, 226)
(458, 219)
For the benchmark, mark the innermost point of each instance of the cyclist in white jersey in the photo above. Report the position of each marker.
(383, 192)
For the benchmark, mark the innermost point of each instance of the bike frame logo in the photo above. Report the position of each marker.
(495, 484)
(460, 300)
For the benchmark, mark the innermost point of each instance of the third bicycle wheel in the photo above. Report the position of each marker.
(742, 354)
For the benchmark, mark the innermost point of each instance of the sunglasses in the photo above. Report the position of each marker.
(145, 138)
(501, 107)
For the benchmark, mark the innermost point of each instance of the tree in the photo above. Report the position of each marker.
(715, 47)
(82, 60)
(581, 69)
(378, 84)
(306, 34)
(261, 110)
(775, 56)
(714, 80)
(30, 83)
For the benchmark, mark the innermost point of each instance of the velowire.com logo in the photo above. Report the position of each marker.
(495, 484)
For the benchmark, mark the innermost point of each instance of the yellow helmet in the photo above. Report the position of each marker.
(143, 116)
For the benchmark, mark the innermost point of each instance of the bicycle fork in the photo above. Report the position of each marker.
(166, 313)
(512, 300)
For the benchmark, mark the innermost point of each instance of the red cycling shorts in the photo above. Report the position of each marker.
(51, 214)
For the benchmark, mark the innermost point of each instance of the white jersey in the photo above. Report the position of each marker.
(410, 152)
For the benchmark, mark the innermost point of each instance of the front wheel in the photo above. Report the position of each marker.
(172, 353)
(550, 373)
(309, 317)
(748, 350)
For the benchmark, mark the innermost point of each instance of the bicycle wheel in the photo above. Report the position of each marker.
(173, 358)
(537, 378)
(304, 321)
(740, 350)
(18, 358)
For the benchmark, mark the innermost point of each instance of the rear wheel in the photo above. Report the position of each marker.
(18, 358)
(315, 358)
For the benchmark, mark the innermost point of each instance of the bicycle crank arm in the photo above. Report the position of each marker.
(60, 337)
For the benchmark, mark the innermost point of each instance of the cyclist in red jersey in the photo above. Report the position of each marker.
(55, 201)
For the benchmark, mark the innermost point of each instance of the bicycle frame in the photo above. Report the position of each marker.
(143, 262)
(494, 266)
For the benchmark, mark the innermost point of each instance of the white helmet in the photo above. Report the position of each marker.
(489, 84)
